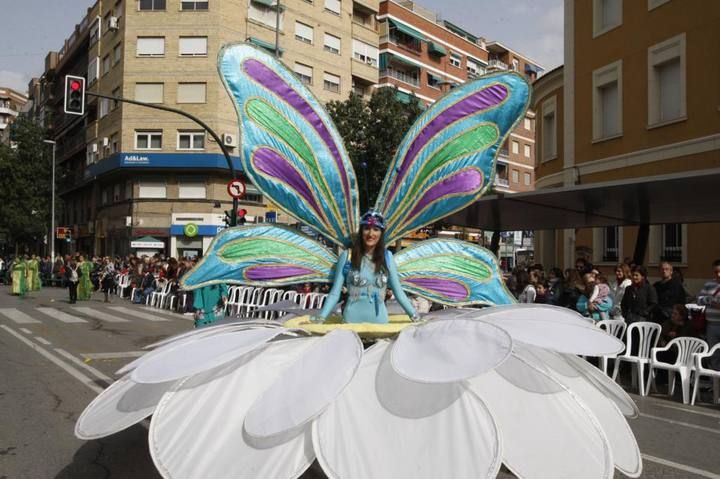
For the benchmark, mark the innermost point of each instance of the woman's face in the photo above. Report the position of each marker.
(619, 274)
(371, 236)
(637, 278)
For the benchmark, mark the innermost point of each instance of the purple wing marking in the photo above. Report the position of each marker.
(274, 272)
(444, 287)
(464, 181)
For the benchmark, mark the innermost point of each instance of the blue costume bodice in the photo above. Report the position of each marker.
(366, 291)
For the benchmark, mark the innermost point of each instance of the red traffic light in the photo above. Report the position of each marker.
(241, 212)
(75, 85)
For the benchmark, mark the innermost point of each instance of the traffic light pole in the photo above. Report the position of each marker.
(196, 120)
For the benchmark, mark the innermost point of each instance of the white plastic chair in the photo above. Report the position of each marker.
(254, 302)
(122, 284)
(275, 296)
(182, 295)
(647, 337)
(158, 297)
(289, 295)
(233, 298)
(614, 327)
(310, 300)
(701, 371)
(683, 365)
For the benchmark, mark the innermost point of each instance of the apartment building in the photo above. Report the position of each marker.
(636, 98)
(134, 177)
(423, 55)
(11, 103)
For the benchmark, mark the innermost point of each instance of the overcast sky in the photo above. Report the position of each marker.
(31, 28)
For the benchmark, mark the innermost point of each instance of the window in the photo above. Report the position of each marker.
(114, 143)
(152, 188)
(607, 101)
(148, 139)
(193, 46)
(151, 46)
(607, 14)
(455, 60)
(365, 52)
(191, 188)
(151, 5)
(666, 81)
(106, 65)
(117, 53)
(304, 73)
(331, 82)
(515, 147)
(611, 244)
(515, 176)
(526, 179)
(528, 124)
(191, 140)
(103, 107)
(91, 153)
(117, 93)
(93, 70)
(652, 4)
(94, 31)
(149, 92)
(332, 44)
(186, 5)
(672, 243)
(333, 6)
(527, 151)
(433, 81)
(549, 130)
(304, 33)
(474, 67)
(192, 93)
(260, 12)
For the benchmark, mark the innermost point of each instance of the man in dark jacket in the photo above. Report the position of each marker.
(669, 291)
(640, 297)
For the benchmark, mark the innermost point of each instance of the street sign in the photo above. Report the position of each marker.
(236, 188)
(61, 232)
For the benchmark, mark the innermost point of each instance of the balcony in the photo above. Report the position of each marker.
(501, 182)
(497, 64)
(410, 79)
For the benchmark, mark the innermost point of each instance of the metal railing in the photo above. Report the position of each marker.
(400, 75)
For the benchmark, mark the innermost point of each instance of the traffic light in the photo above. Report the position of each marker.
(241, 216)
(74, 95)
(229, 218)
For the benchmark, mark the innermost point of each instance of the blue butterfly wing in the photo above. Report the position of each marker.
(447, 159)
(452, 272)
(290, 148)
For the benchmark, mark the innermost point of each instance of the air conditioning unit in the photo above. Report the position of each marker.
(94, 148)
(229, 140)
(113, 24)
(106, 142)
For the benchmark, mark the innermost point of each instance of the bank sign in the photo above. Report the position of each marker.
(160, 160)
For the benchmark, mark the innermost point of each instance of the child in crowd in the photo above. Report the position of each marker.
(597, 290)
(677, 326)
(542, 290)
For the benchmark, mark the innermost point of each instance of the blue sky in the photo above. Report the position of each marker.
(31, 28)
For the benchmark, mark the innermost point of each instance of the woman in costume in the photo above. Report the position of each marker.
(19, 276)
(208, 303)
(85, 286)
(366, 274)
(479, 387)
(33, 274)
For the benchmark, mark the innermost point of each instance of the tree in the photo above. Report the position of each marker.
(25, 195)
(372, 131)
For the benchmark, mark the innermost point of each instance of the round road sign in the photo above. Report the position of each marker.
(236, 188)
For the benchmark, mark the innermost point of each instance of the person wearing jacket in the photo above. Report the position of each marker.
(640, 298)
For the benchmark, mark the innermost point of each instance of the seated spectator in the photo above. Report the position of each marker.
(147, 286)
(676, 326)
(639, 299)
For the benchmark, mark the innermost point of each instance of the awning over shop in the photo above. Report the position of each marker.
(407, 30)
(666, 199)
(436, 49)
(270, 47)
(147, 242)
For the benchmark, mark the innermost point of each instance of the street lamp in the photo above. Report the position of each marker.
(52, 204)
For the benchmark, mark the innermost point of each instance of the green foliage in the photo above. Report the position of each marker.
(372, 131)
(26, 189)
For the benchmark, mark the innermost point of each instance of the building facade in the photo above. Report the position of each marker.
(11, 104)
(636, 98)
(134, 176)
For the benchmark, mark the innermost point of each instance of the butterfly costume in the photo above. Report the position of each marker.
(455, 396)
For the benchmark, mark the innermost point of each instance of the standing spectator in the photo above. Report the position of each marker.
(595, 302)
(669, 291)
(72, 278)
(107, 277)
(542, 292)
(572, 289)
(640, 298)
(710, 298)
(554, 286)
(617, 288)
(527, 281)
(85, 286)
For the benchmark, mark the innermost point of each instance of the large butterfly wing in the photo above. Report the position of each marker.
(447, 159)
(290, 148)
(452, 272)
(261, 256)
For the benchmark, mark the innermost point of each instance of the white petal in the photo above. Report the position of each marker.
(449, 350)
(547, 433)
(118, 407)
(384, 426)
(191, 357)
(307, 387)
(197, 429)
(625, 450)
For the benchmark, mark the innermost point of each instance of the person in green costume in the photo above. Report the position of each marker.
(33, 274)
(208, 303)
(19, 276)
(85, 287)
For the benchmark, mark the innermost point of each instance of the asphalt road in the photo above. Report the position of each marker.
(55, 358)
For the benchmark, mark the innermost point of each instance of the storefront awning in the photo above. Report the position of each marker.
(407, 30)
(436, 49)
(677, 198)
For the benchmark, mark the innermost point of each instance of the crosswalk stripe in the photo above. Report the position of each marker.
(95, 314)
(18, 316)
(137, 314)
(161, 311)
(60, 315)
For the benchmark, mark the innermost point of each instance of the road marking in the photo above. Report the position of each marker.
(43, 341)
(18, 316)
(95, 372)
(701, 413)
(162, 311)
(25, 330)
(126, 354)
(62, 316)
(682, 467)
(55, 360)
(137, 314)
(680, 423)
(99, 315)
